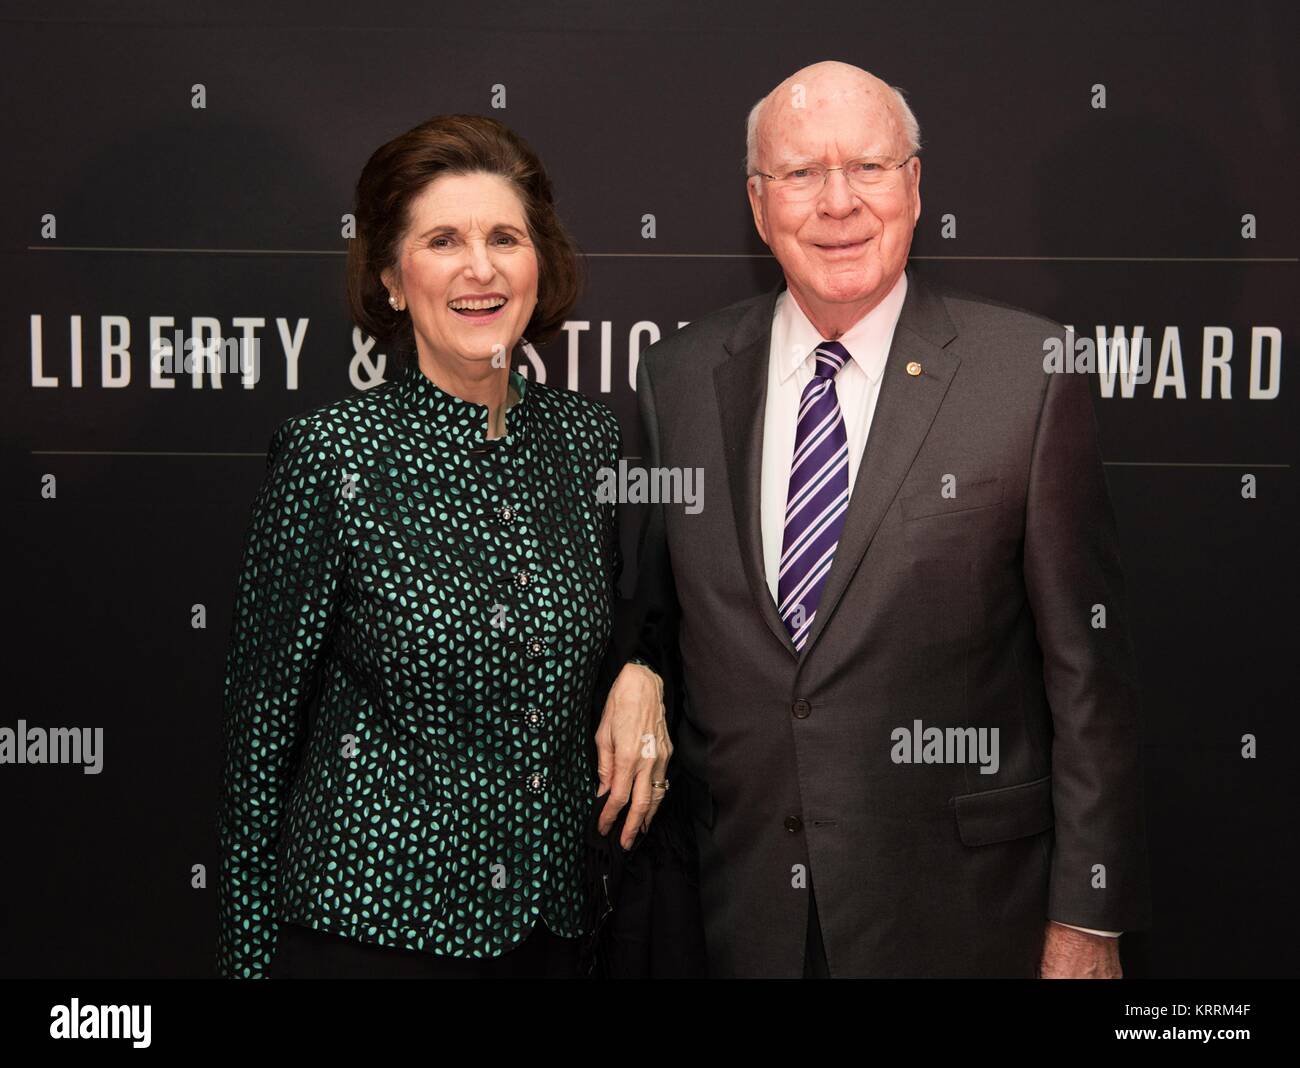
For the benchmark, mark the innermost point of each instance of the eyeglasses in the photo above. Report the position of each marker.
(865, 175)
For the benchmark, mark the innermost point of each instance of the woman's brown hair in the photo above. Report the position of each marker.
(395, 175)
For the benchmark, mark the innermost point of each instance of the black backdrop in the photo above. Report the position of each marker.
(1125, 216)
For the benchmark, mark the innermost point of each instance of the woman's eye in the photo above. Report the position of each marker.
(440, 242)
(509, 239)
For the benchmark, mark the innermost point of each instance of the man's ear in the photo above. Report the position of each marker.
(916, 214)
(756, 205)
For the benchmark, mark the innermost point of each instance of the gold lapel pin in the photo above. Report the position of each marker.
(913, 368)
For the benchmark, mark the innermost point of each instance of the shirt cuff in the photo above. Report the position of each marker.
(1089, 930)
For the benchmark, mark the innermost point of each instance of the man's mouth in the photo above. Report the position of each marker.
(479, 309)
(841, 246)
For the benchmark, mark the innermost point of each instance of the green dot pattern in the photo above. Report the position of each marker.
(419, 618)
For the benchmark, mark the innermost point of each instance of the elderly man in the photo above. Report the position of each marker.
(908, 733)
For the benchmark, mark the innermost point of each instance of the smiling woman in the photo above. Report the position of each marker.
(435, 208)
(424, 603)
(466, 271)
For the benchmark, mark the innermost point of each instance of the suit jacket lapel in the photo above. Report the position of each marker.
(741, 386)
(905, 408)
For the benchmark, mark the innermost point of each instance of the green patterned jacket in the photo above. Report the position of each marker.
(420, 616)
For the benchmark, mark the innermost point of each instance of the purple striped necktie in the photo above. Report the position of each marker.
(818, 497)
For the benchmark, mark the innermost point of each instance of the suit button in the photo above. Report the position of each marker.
(801, 709)
(793, 824)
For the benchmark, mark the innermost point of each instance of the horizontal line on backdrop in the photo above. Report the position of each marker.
(130, 452)
(1159, 463)
(689, 255)
(981, 259)
(134, 452)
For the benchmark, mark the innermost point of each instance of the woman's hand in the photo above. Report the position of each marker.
(632, 750)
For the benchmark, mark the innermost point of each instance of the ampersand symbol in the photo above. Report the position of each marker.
(363, 371)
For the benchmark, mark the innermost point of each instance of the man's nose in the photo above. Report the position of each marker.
(837, 197)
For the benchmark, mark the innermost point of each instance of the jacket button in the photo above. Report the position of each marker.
(793, 824)
(523, 579)
(801, 709)
(536, 647)
(533, 717)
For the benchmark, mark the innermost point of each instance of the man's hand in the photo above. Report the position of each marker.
(632, 750)
(1071, 954)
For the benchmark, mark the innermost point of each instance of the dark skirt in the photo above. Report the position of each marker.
(305, 953)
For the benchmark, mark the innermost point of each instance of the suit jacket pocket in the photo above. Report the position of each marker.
(1006, 813)
(969, 496)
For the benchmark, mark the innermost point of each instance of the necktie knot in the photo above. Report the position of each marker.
(831, 356)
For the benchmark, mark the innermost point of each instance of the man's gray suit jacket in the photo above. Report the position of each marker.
(976, 587)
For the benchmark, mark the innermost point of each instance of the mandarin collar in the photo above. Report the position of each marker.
(460, 422)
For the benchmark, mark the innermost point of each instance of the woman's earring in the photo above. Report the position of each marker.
(393, 301)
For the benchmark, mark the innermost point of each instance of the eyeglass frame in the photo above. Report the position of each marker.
(786, 178)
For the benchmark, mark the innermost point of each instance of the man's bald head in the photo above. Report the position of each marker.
(835, 189)
(825, 84)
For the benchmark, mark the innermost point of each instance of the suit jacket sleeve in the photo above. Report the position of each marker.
(645, 624)
(284, 606)
(1075, 587)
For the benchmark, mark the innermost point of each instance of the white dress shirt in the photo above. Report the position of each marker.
(790, 367)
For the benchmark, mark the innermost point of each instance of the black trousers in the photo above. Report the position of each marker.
(305, 953)
(814, 961)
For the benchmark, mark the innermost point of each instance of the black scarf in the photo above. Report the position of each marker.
(644, 914)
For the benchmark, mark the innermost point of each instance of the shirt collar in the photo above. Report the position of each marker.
(794, 338)
(461, 422)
